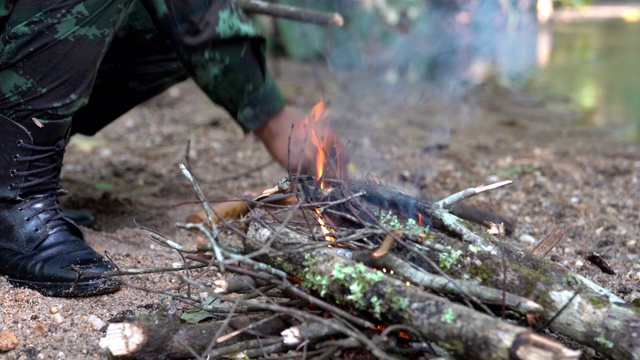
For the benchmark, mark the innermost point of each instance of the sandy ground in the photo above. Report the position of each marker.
(580, 179)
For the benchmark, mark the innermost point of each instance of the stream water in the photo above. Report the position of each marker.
(595, 64)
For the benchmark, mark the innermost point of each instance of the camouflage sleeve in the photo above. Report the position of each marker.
(221, 49)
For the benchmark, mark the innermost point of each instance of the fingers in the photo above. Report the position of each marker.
(307, 148)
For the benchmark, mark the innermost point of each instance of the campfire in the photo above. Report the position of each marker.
(336, 267)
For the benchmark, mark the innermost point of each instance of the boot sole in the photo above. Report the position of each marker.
(77, 289)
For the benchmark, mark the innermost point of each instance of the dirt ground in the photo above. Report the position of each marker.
(580, 179)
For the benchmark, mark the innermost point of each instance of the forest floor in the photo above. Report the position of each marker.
(428, 143)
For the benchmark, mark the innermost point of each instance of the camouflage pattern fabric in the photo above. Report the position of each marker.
(96, 59)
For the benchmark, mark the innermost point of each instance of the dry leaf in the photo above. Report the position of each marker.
(386, 245)
(495, 229)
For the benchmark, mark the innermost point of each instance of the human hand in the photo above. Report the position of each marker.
(289, 137)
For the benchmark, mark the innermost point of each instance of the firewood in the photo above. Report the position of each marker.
(391, 301)
(571, 302)
(164, 336)
(438, 253)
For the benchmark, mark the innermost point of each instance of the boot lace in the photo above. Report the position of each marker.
(42, 181)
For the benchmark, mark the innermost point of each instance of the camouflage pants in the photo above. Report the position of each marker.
(96, 59)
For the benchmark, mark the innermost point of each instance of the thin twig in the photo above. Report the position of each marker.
(214, 238)
(154, 270)
(451, 200)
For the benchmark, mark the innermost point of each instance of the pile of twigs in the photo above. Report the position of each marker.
(390, 287)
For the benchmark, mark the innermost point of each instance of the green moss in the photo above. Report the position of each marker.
(284, 265)
(377, 306)
(450, 259)
(474, 249)
(357, 284)
(597, 301)
(358, 280)
(572, 280)
(310, 280)
(448, 316)
(409, 228)
(482, 271)
(398, 303)
(604, 342)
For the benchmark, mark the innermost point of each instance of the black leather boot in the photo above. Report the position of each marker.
(40, 248)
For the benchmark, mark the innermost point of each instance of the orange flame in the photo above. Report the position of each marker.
(323, 227)
(321, 139)
(321, 142)
(316, 115)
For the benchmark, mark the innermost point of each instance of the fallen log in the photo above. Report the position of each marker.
(461, 330)
(164, 336)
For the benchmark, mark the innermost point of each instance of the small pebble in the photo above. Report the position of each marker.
(58, 318)
(8, 341)
(493, 178)
(54, 309)
(95, 322)
(527, 238)
(405, 175)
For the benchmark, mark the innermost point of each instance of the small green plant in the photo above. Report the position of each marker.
(450, 259)
(520, 170)
(410, 227)
(448, 316)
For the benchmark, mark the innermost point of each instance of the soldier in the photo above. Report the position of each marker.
(91, 61)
